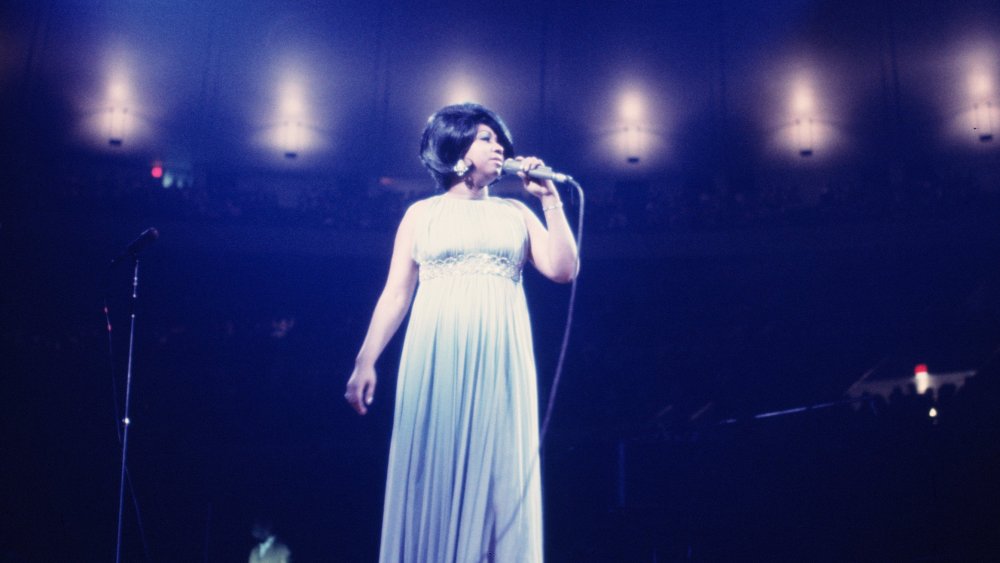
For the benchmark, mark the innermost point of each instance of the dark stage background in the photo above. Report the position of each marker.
(726, 273)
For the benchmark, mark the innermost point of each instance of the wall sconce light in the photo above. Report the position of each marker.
(632, 107)
(632, 133)
(804, 134)
(984, 121)
(803, 107)
(117, 118)
(292, 133)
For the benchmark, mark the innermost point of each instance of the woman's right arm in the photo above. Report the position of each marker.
(389, 313)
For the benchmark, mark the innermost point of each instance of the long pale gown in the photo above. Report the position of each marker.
(463, 480)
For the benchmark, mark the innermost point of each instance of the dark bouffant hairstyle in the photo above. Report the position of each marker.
(449, 134)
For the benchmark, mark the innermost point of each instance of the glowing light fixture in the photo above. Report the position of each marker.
(292, 99)
(633, 136)
(291, 131)
(117, 123)
(460, 89)
(980, 85)
(803, 100)
(116, 118)
(803, 106)
(981, 89)
(117, 90)
(804, 134)
(119, 111)
(631, 109)
(289, 122)
(984, 121)
(292, 107)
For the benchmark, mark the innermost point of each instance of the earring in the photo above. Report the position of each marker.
(461, 168)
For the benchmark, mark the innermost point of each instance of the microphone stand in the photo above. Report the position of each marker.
(125, 420)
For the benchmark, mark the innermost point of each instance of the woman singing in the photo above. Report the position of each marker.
(463, 478)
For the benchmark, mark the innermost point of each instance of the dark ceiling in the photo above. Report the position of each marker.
(346, 86)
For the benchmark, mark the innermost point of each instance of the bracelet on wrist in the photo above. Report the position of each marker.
(551, 207)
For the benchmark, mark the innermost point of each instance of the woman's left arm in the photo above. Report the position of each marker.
(553, 246)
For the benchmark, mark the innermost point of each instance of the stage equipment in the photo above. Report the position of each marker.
(141, 242)
(512, 167)
(145, 239)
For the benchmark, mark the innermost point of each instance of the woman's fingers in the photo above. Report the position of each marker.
(353, 397)
(538, 188)
(360, 393)
(528, 163)
(370, 392)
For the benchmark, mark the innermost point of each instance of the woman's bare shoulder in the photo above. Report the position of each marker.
(515, 203)
(521, 207)
(417, 208)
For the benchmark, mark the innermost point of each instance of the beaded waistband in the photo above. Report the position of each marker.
(470, 264)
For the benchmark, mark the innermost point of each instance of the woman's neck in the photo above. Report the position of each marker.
(462, 190)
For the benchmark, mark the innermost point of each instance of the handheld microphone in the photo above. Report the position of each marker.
(145, 239)
(511, 166)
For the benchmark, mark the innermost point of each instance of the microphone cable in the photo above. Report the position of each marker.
(557, 377)
(570, 308)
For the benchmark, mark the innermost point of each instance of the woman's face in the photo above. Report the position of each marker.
(486, 153)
